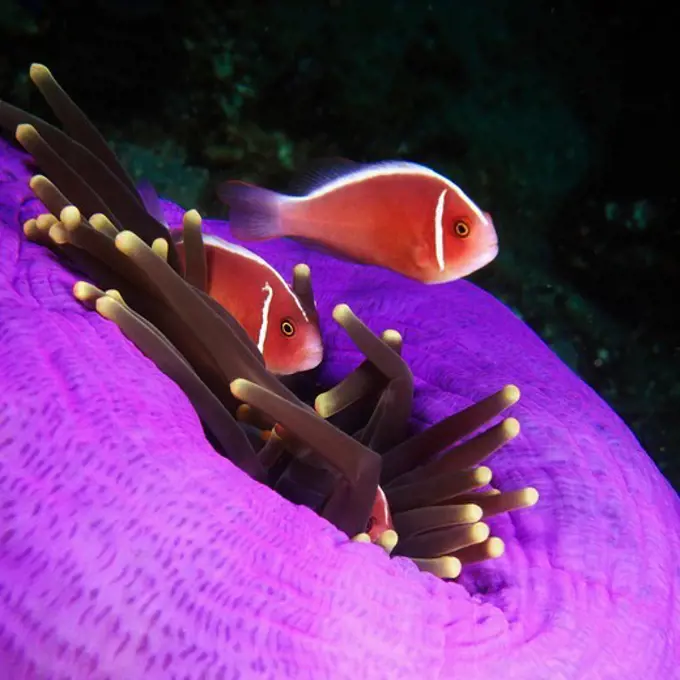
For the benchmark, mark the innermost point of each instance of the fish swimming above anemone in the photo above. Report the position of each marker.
(145, 535)
(398, 215)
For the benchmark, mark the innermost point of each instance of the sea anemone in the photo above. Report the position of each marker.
(197, 343)
(124, 524)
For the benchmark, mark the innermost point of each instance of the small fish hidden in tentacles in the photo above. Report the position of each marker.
(256, 295)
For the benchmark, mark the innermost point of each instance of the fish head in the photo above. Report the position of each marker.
(293, 340)
(470, 241)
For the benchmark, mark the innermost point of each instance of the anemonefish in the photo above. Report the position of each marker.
(398, 215)
(380, 519)
(256, 295)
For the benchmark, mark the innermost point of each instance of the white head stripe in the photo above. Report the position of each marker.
(439, 230)
(262, 336)
(240, 250)
(388, 169)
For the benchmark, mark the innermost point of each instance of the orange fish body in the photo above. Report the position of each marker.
(380, 519)
(397, 215)
(256, 295)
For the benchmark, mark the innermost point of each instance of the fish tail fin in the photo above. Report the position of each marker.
(254, 212)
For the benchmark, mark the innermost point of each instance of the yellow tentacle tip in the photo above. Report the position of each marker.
(38, 71)
(341, 311)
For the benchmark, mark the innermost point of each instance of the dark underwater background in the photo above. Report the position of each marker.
(559, 118)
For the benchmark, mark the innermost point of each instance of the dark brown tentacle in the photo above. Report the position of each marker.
(125, 205)
(195, 270)
(389, 422)
(77, 190)
(302, 287)
(444, 541)
(422, 520)
(462, 457)
(76, 123)
(350, 506)
(198, 320)
(363, 382)
(435, 490)
(423, 446)
(497, 502)
(232, 439)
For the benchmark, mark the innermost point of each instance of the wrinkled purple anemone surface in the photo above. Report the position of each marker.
(129, 548)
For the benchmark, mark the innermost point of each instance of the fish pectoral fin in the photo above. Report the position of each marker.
(422, 256)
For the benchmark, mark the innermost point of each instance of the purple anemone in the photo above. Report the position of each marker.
(129, 548)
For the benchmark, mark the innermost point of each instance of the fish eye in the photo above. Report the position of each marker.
(461, 229)
(288, 328)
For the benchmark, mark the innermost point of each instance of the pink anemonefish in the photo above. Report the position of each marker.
(398, 215)
(380, 519)
(257, 296)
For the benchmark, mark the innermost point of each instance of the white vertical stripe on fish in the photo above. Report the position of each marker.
(262, 336)
(439, 230)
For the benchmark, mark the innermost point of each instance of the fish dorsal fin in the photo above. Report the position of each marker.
(320, 172)
(151, 201)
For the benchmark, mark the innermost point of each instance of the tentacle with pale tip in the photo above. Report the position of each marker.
(490, 549)
(103, 224)
(102, 177)
(302, 287)
(364, 383)
(348, 508)
(388, 540)
(247, 414)
(148, 340)
(115, 294)
(343, 453)
(365, 379)
(160, 248)
(85, 237)
(195, 269)
(436, 531)
(428, 443)
(272, 451)
(197, 317)
(33, 233)
(363, 537)
(389, 421)
(505, 501)
(77, 124)
(45, 221)
(444, 541)
(381, 355)
(445, 568)
(106, 179)
(48, 231)
(424, 519)
(72, 184)
(461, 457)
(433, 490)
